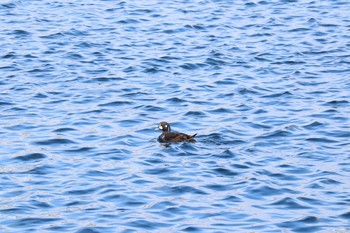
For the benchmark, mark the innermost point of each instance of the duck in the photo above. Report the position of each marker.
(168, 136)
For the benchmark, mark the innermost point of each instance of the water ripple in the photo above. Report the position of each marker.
(264, 84)
(32, 156)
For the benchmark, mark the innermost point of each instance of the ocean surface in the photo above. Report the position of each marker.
(265, 84)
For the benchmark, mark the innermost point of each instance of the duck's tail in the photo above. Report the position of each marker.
(191, 138)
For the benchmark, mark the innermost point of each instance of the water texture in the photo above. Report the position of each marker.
(265, 84)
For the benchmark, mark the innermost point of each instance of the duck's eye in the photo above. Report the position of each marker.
(166, 126)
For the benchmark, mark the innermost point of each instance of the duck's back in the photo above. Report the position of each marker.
(175, 137)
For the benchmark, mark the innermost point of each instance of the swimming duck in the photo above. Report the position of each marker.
(168, 136)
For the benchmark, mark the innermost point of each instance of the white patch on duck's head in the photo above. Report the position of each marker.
(164, 126)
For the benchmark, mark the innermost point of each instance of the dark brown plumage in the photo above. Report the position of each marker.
(168, 136)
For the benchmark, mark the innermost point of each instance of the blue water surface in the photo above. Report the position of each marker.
(265, 84)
